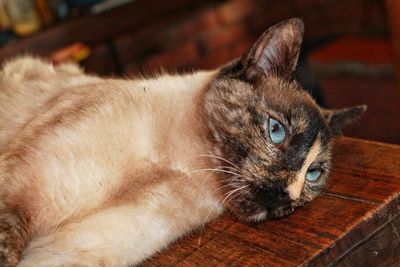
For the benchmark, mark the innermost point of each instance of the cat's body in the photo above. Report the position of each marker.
(119, 146)
(106, 172)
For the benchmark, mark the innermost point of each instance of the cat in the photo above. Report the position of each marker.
(106, 172)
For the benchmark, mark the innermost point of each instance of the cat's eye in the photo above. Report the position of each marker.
(313, 175)
(276, 131)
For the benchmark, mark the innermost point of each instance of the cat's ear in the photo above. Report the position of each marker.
(339, 118)
(276, 52)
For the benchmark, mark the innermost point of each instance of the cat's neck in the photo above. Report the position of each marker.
(180, 134)
(174, 103)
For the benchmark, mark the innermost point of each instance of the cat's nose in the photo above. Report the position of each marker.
(274, 196)
(283, 197)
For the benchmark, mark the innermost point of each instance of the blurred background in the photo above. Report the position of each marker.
(348, 58)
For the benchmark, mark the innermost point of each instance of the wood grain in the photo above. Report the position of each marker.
(355, 222)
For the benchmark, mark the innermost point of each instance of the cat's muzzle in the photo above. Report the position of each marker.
(280, 211)
(275, 198)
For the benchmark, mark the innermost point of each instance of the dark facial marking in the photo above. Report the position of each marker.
(296, 152)
(301, 143)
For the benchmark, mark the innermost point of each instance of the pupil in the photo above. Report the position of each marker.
(275, 128)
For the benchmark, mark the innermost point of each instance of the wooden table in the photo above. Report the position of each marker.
(356, 222)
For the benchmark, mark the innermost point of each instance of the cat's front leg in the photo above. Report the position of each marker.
(127, 233)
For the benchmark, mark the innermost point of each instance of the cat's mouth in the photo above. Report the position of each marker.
(251, 211)
(280, 211)
(271, 213)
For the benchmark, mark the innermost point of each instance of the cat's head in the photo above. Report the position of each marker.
(274, 141)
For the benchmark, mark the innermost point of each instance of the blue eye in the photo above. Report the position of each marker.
(313, 175)
(276, 131)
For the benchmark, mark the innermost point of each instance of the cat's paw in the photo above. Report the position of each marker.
(11, 239)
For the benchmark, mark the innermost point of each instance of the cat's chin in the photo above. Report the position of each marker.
(280, 212)
(267, 214)
(259, 217)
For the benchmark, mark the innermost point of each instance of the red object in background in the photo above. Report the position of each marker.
(373, 86)
(76, 52)
(354, 49)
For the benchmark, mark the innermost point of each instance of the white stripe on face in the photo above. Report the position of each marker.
(295, 188)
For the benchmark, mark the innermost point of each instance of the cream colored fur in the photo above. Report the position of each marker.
(107, 170)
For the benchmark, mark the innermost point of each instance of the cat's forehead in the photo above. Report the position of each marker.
(283, 95)
(288, 101)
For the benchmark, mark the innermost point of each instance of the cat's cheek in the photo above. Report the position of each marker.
(247, 211)
(304, 199)
(309, 194)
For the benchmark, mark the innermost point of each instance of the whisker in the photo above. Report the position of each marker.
(231, 192)
(233, 196)
(227, 185)
(230, 168)
(211, 170)
(217, 157)
(217, 170)
(238, 195)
